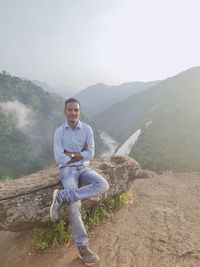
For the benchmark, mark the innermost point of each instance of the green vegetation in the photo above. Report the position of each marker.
(172, 141)
(99, 97)
(58, 234)
(6, 179)
(54, 236)
(25, 150)
(103, 209)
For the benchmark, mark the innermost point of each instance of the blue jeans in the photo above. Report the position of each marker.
(94, 185)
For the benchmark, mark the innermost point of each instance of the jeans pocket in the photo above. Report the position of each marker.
(64, 172)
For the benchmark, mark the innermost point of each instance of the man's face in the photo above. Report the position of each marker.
(72, 112)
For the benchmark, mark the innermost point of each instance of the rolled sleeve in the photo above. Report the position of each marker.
(89, 153)
(58, 149)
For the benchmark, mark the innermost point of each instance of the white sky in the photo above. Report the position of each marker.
(82, 42)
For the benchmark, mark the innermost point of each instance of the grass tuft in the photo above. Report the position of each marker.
(59, 234)
(6, 179)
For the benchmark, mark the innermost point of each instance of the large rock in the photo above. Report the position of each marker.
(25, 202)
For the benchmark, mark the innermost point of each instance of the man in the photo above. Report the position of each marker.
(73, 149)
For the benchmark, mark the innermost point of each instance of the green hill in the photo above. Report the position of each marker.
(28, 119)
(100, 96)
(172, 141)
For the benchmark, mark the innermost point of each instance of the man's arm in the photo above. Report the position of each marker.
(78, 156)
(88, 150)
(89, 153)
(58, 149)
(84, 148)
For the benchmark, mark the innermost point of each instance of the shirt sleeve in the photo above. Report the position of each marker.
(89, 153)
(58, 149)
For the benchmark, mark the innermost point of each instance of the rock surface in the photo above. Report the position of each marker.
(25, 202)
(160, 227)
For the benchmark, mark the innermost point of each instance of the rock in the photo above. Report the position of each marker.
(25, 202)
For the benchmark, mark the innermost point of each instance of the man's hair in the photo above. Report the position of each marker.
(72, 99)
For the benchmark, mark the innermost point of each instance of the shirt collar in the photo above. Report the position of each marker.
(79, 124)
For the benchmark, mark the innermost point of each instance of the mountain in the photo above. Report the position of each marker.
(100, 96)
(65, 92)
(172, 141)
(28, 118)
(45, 86)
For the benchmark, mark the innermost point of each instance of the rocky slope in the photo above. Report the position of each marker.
(159, 227)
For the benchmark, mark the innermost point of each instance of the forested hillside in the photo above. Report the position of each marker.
(28, 119)
(172, 141)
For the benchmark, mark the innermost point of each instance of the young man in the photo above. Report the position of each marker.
(73, 148)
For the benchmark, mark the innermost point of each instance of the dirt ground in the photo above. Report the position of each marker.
(160, 227)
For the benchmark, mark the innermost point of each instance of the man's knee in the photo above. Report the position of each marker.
(104, 186)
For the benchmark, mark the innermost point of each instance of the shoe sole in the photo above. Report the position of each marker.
(88, 263)
(51, 208)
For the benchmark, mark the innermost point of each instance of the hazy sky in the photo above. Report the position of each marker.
(82, 42)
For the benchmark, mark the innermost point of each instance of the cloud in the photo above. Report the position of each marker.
(18, 112)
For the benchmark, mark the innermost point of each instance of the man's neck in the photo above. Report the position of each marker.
(72, 124)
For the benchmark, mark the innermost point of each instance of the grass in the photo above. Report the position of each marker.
(103, 210)
(53, 237)
(6, 179)
(58, 235)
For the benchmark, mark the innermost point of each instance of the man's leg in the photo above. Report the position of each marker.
(69, 177)
(95, 185)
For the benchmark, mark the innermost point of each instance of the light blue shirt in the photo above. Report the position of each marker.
(73, 140)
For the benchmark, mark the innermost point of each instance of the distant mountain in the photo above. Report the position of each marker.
(45, 86)
(65, 92)
(100, 96)
(172, 141)
(28, 118)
